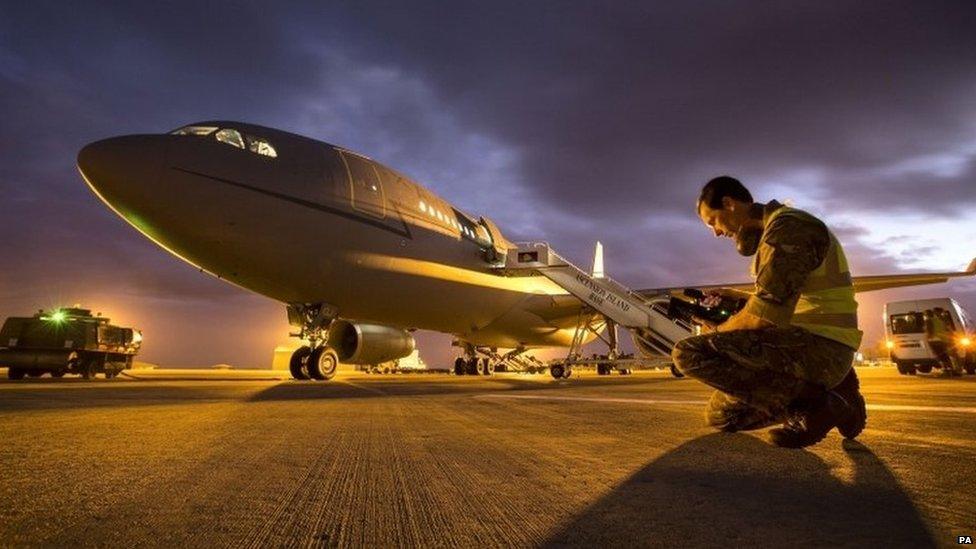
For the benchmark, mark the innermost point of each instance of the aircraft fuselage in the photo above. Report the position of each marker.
(317, 223)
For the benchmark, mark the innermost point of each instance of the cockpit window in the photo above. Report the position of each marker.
(261, 146)
(194, 130)
(231, 137)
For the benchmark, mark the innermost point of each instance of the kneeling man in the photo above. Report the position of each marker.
(787, 356)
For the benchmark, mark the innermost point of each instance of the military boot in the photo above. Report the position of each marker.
(849, 390)
(806, 428)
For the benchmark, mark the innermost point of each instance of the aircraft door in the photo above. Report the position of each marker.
(366, 192)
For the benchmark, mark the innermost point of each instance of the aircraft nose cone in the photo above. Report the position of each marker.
(123, 171)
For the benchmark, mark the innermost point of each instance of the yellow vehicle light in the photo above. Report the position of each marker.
(890, 344)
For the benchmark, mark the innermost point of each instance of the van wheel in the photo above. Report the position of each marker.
(924, 368)
(16, 373)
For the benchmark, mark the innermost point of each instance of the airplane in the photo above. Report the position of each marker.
(360, 254)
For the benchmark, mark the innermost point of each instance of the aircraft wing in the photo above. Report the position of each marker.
(861, 283)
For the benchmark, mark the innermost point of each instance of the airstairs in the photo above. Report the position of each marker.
(646, 319)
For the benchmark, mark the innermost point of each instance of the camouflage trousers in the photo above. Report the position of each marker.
(758, 373)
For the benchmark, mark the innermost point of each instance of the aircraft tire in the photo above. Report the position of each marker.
(675, 372)
(487, 367)
(322, 364)
(460, 366)
(557, 371)
(16, 373)
(472, 366)
(298, 360)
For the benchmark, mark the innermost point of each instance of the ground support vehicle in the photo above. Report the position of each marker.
(66, 341)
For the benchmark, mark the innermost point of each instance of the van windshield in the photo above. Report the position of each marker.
(910, 323)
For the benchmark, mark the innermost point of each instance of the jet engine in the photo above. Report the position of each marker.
(363, 343)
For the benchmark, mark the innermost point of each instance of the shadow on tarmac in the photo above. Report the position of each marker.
(737, 490)
(379, 388)
(43, 394)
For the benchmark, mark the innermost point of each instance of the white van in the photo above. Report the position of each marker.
(910, 349)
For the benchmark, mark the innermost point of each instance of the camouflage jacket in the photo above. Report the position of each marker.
(795, 248)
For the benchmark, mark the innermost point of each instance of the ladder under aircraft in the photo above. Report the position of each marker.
(646, 319)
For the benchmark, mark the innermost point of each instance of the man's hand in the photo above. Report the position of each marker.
(707, 326)
(743, 321)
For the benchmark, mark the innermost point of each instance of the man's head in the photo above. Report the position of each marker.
(724, 205)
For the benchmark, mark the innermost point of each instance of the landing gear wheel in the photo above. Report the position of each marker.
(472, 366)
(557, 371)
(460, 366)
(487, 367)
(322, 364)
(297, 363)
(676, 372)
(16, 373)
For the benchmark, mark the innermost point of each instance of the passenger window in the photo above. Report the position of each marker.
(261, 146)
(194, 130)
(231, 137)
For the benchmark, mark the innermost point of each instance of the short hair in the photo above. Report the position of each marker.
(718, 188)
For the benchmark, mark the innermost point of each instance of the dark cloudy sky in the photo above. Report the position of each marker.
(565, 121)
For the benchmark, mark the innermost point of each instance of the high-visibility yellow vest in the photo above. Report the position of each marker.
(826, 306)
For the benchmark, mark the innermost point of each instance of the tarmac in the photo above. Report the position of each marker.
(230, 459)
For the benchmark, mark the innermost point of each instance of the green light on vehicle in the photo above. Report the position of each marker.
(58, 316)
